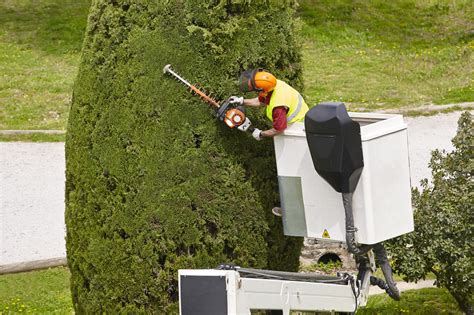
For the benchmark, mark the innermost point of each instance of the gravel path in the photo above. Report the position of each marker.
(32, 188)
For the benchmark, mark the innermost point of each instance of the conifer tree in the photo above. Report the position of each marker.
(154, 183)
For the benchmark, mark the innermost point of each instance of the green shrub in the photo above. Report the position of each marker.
(154, 182)
(328, 268)
(443, 239)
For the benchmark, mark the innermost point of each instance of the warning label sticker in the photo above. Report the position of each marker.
(326, 234)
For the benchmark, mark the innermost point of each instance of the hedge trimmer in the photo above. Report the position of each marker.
(232, 115)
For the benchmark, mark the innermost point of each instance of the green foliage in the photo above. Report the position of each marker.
(154, 182)
(328, 268)
(443, 239)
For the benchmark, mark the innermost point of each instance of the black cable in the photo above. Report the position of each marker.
(382, 285)
(283, 275)
(355, 292)
(358, 250)
(291, 276)
(352, 246)
(382, 260)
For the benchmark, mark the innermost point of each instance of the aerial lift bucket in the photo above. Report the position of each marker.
(335, 145)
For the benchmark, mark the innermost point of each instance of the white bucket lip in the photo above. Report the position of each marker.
(379, 125)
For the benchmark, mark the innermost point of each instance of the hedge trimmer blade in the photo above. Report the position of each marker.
(232, 116)
(201, 94)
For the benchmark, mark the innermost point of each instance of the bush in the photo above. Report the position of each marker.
(443, 241)
(154, 182)
(326, 268)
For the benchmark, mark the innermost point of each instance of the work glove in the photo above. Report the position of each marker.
(238, 100)
(257, 134)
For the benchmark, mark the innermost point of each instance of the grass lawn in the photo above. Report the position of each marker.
(370, 54)
(429, 301)
(40, 43)
(47, 291)
(36, 292)
(388, 54)
(35, 137)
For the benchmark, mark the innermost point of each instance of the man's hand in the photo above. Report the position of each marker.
(257, 134)
(239, 100)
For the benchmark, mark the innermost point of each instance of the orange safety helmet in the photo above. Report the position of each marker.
(258, 80)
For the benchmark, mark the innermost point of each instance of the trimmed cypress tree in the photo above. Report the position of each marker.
(154, 182)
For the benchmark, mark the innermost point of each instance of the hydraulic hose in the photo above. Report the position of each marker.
(379, 250)
(382, 285)
(382, 260)
(352, 246)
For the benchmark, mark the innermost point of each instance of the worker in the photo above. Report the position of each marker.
(284, 104)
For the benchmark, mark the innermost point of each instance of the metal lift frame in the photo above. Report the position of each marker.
(238, 292)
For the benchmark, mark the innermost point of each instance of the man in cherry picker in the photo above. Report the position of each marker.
(284, 105)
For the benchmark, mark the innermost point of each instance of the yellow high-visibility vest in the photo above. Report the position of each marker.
(285, 95)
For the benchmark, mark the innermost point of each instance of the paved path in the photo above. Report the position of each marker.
(31, 201)
(426, 134)
(32, 188)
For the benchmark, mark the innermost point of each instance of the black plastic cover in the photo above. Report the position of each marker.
(335, 145)
(203, 295)
(220, 112)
